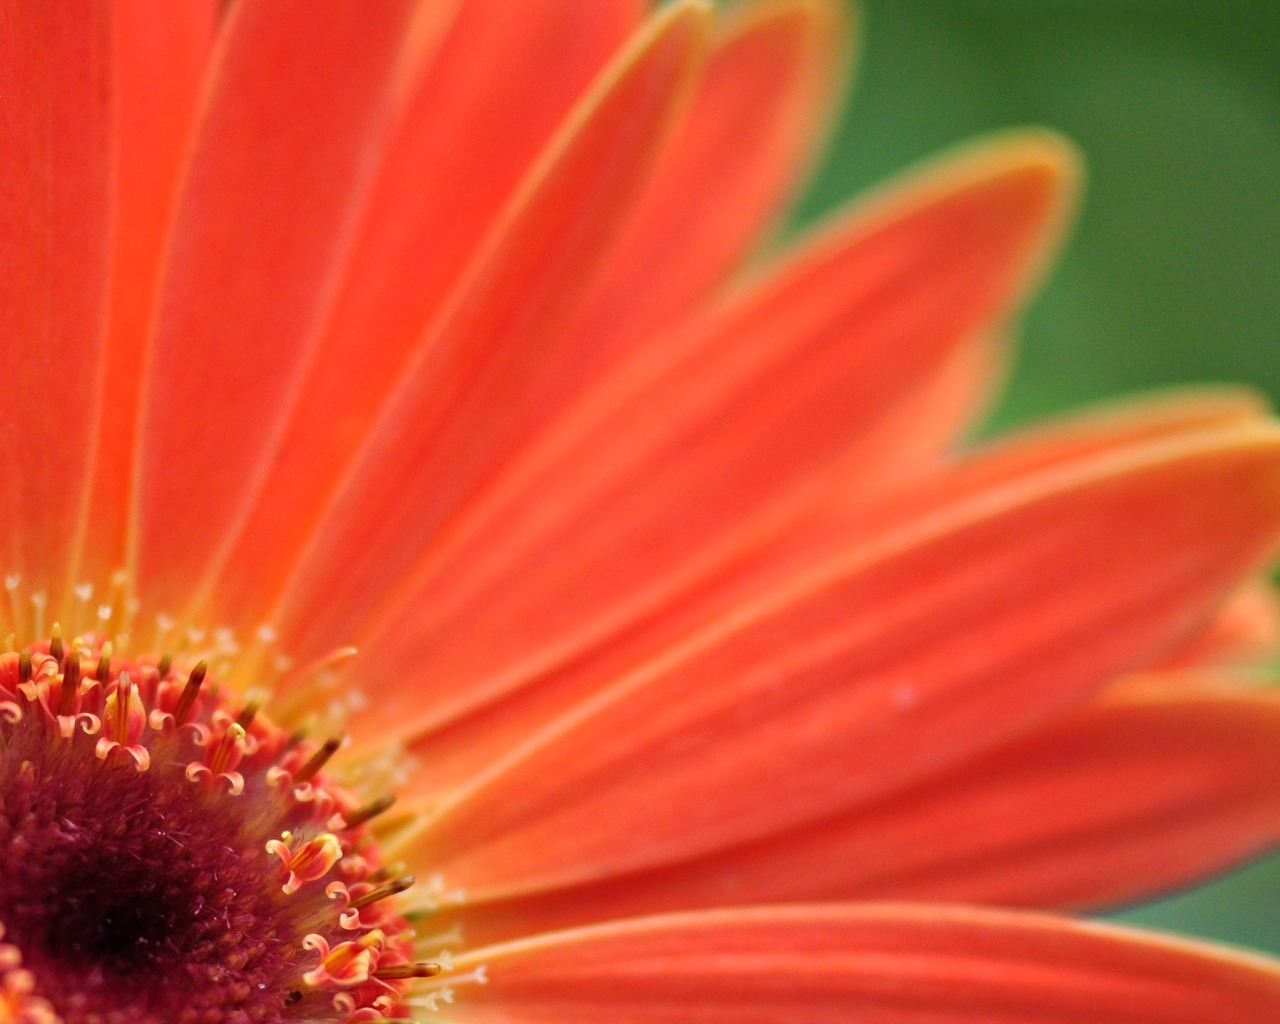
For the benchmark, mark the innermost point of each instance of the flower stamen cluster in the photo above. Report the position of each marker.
(143, 809)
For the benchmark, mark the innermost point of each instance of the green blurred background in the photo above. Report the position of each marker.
(1171, 273)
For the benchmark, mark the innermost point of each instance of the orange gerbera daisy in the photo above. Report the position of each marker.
(428, 330)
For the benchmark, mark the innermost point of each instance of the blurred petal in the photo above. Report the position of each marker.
(1159, 414)
(1162, 781)
(662, 472)
(56, 120)
(876, 666)
(280, 162)
(491, 365)
(1245, 631)
(451, 753)
(162, 51)
(754, 126)
(877, 964)
(494, 90)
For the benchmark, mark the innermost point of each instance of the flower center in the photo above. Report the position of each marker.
(169, 855)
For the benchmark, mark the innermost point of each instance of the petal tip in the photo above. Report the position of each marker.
(1043, 168)
(689, 24)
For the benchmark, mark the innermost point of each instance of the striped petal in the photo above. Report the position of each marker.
(490, 366)
(56, 120)
(455, 748)
(754, 126)
(499, 81)
(1162, 781)
(886, 964)
(162, 52)
(662, 472)
(875, 667)
(275, 178)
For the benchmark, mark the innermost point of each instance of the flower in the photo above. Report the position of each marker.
(693, 643)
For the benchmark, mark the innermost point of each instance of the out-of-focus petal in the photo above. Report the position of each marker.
(56, 114)
(1246, 630)
(454, 751)
(1160, 782)
(760, 111)
(877, 964)
(658, 474)
(493, 91)
(492, 363)
(297, 107)
(161, 53)
(876, 666)
(1084, 432)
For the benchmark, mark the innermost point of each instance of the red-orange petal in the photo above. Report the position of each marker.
(870, 964)
(496, 86)
(876, 666)
(754, 126)
(490, 366)
(1084, 432)
(453, 750)
(1160, 782)
(263, 223)
(56, 115)
(767, 404)
(1246, 631)
(161, 54)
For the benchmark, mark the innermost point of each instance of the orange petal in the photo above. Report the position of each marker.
(760, 113)
(453, 753)
(56, 110)
(161, 54)
(1161, 782)
(489, 366)
(1246, 631)
(1081, 434)
(1093, 430)
(876, 666)
(873, 964)
(500, 82)
(263, 224)
(778, 394)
